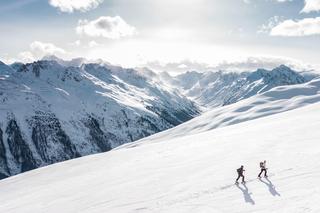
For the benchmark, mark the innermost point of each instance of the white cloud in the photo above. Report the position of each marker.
(38, 50)
(93, 44)
(272, 22)
(241, 65)
(26, 56)
(70, 6)
(311, 5)
(304, 27)
(256, 62)
(182, 66)
(105, 26)
(76, 43)
(177, 66)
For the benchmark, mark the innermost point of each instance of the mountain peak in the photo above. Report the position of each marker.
(5, 69)
(75, 62)
(282, 68)
(51, 58)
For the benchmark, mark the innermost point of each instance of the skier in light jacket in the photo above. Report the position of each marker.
(263, 169)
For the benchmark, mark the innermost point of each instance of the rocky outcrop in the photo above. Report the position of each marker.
(3, 160)
(50, 140)
(97, 136)
(19, 148)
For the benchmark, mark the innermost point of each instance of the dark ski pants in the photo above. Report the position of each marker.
(240, 175)
(265, 173)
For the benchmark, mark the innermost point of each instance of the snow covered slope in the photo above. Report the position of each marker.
(214, 89)
(50, 113)
(192, 173)
(276, 100)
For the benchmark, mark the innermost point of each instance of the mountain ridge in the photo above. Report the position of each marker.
(51, 113)
(214, 89)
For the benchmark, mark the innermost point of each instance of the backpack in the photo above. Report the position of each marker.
(261, 165)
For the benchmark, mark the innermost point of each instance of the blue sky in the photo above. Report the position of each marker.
(139, 32)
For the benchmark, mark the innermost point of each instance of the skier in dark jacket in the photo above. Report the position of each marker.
(240, 174)
(263, 169)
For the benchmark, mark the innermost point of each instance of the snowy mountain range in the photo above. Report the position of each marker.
(192, 167)
(277, 100)
(214, 89)
(54, 110)
(51, 113)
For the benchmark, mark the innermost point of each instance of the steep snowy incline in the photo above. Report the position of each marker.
(186, 174)
(274, 101)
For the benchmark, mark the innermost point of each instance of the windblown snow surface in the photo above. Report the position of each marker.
(192, 172)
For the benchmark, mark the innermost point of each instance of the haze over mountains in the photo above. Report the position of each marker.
(54, 110)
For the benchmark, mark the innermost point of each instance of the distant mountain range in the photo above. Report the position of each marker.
(212, 89)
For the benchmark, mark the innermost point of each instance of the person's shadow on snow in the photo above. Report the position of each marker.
(246, 194)
(271, 187)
